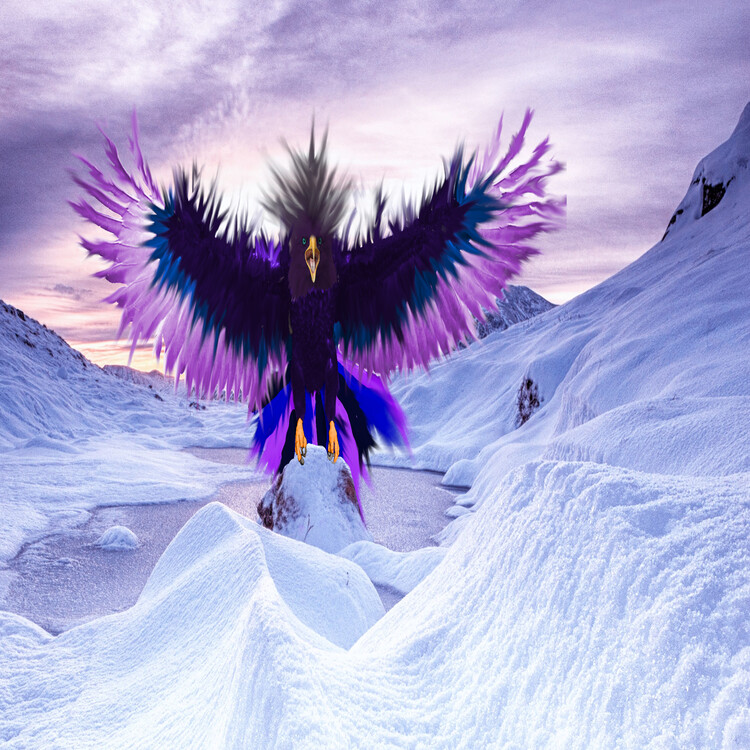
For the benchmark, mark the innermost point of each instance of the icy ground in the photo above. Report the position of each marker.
(64, 579)
(595, 588)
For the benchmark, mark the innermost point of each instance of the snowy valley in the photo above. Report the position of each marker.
(591, 591)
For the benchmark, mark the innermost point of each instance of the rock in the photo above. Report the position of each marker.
(315, 503)
(117, 538)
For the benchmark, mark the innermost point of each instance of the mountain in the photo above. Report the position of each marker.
(595, 585)
(50, 391)
(519, 303)
(154, 380)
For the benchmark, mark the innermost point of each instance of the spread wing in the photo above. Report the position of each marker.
(212, 291)
(407, 295)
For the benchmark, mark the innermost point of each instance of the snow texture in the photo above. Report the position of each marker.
(315, 503)
(69, 444)
(400, 571)
(595, 594)
(117, 538)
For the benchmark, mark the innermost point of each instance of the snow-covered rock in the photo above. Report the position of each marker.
(315, 503)
(117, 538)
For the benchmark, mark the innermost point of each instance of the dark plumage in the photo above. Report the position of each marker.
(311, 321)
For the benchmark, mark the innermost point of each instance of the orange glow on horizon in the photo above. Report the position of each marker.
(113, 352)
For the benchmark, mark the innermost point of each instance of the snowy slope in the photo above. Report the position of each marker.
(51, 392)
(73, 436)
(649, 370)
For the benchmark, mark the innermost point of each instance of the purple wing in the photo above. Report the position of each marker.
(212, 293)
(408, 295)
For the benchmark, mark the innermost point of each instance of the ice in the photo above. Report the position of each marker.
(63, 580)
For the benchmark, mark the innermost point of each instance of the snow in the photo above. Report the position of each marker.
(400, 571)
(591, 607)
(70, 444)
(648, 370)
(310, 503)
(518, 303)
(118, 538)
(592, 591)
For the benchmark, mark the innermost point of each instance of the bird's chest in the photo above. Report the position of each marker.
(312, 318)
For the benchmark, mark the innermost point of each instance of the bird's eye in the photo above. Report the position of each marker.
(320, 242)
(304, 240)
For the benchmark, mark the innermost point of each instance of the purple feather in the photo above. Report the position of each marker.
(220, 299)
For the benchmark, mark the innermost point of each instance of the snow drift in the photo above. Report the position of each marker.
(588, 608)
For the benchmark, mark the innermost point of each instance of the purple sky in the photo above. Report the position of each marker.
(632, 96)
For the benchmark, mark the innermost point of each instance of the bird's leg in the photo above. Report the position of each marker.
(333, 444)
(332, 389)
(300, 443)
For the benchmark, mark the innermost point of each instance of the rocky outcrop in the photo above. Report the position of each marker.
(315, 503)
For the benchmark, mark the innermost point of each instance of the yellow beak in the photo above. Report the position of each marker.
(312, 257)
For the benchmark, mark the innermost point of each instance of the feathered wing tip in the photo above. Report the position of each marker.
(511, 207)
(125, 204)
(310, 188)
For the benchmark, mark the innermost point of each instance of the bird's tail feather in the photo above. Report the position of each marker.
(364, 408)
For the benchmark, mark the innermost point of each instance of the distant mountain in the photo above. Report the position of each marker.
(154, 380)
(519, 303)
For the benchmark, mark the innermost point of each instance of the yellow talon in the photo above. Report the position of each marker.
(300, 443)
(333, 444)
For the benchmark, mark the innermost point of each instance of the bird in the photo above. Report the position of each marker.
(308, 324)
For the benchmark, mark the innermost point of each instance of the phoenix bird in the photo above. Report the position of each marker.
(308, 324)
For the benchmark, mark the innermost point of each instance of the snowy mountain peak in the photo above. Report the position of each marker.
(743, 126)
(720, 177)
(517, 304)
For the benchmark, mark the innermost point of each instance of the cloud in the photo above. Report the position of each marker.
(632, 96)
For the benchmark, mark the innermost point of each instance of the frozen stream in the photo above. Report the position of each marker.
(63, 580)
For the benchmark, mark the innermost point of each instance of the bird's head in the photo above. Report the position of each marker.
(311, 258)
(309, 201)
(308, 242)
(312, 254)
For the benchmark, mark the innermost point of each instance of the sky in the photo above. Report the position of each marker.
(632, 97)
